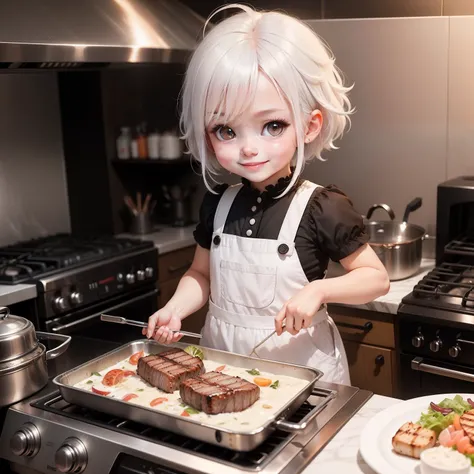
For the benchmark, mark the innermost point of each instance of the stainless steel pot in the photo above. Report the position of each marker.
(23, 369)
(397, 244)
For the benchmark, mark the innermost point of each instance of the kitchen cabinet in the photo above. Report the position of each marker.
(171, 267)
(369, 340)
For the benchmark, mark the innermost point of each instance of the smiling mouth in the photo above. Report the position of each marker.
(252, 165)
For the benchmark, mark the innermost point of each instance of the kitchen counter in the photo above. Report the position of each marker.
(398, 289)
(11, 294)
(341, 455)
(168, 239)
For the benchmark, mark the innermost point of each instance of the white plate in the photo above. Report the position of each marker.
(376, 438)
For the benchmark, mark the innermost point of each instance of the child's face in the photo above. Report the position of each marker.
(260, 143)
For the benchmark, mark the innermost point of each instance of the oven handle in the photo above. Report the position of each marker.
(418, 364)
(111, 309)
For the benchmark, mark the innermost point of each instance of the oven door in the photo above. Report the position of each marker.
(138, 305)
(421, 377)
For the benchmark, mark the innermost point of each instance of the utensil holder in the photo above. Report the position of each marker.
(141, 224)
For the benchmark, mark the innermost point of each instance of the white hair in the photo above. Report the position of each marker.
(223, 72)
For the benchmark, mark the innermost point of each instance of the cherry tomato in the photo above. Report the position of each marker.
(113, 377)
(99, 392)
(134, 358)
(128, 373)
(220, 368)
(158, 401)
(129, 396)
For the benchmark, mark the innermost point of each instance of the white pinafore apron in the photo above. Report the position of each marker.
(251, 279)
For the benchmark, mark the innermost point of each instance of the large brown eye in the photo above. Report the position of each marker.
(225, 133)
(274, 129)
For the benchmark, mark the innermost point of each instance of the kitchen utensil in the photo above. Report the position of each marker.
(141, 224)
(240, 440)
(178, 197)
(263, 341)
(130, 204)
(119, 320)
(397, 244)
(23, 369)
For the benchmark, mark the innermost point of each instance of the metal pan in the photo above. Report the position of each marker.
(220, 436)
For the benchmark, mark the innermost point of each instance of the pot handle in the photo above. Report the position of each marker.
(57, 351)
(385, 207)
(291, 427)
(411, 207)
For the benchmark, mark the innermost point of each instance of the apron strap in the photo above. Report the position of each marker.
(223, 208)
(295, 211)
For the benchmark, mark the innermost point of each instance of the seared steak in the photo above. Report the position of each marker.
(169, 368)
(214, 392)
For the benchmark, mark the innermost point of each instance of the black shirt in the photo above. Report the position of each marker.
(330, 227)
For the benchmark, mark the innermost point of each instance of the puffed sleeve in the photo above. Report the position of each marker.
(338, 228)
(205, 227)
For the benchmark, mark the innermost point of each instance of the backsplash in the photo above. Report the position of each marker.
(33, 195)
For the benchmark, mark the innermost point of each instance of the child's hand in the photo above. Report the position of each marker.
(165, 319)
(299, 310)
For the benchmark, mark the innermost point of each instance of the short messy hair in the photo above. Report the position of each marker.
(223, 72)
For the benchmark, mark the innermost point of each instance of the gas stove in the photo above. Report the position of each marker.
(45, 433)
(26, 262)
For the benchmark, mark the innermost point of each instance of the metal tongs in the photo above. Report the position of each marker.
(263, 341)
(119, 320)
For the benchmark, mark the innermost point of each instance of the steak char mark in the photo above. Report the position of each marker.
(215, 392)
(169, 368)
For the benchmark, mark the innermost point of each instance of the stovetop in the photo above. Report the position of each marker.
(27, 261)
(119, 446)
(449, 287)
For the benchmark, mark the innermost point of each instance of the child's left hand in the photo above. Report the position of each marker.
(299, 310)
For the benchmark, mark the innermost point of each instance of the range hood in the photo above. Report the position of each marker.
(75, 34)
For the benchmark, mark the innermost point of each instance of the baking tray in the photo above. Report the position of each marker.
(220, 436)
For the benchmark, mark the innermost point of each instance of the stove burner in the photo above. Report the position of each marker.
(27, 261)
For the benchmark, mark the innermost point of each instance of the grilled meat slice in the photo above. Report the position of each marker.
(467, 423)
(411, 439)
(169, 368)
(215, 392)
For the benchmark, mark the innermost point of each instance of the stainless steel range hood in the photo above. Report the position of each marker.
(72, 34)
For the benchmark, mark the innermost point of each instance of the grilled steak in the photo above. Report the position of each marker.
(411, 439)
(214, 392)
(169, 368)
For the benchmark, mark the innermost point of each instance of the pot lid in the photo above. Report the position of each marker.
(17, 335)
(10, 325)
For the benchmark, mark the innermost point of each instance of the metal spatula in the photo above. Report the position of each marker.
(119, 320)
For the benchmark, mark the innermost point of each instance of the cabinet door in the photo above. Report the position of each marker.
(371, 367)
(175, 264)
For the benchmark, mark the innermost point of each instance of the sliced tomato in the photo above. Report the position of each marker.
(220, 368)
(100, 392)
(113, 377)
(185, 413)
(463, 444)
(128, 373)
(129, 396)
(134, 358)
(158, 401)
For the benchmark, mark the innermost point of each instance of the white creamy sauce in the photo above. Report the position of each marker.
(271, 399)
(446, 459)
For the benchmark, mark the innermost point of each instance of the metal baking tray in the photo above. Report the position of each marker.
(220, 436)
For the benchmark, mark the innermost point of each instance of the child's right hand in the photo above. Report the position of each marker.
(165, 320)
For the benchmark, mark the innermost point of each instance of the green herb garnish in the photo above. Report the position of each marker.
(253, 372)
(192, 411)
(96, 373)
(195, 352)
(140, 390)
(275, 384)
(89, 381)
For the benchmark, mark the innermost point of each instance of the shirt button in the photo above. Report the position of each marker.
(217, 240)
(254, 208)
(259, 199)
(283, 249)
(252, 221)
(249, 233)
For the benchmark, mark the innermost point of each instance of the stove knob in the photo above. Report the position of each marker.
(120, 277)
(76, 298)
(140, 275)
(59, 303)
(149, 272)
(71, 456)
(130, 278)
(436, 345)
(455, 350)
(26, 441)
(417, 341)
